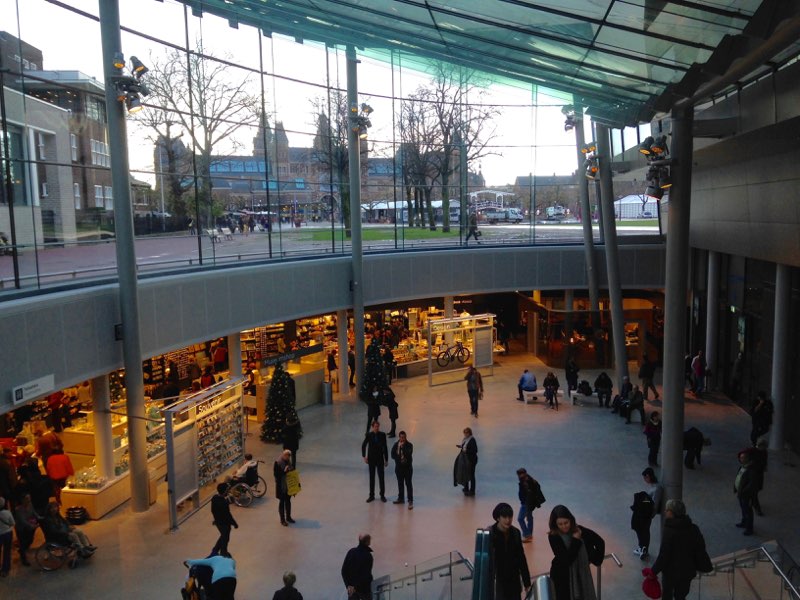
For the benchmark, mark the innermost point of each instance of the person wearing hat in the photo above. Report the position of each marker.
(509, 567)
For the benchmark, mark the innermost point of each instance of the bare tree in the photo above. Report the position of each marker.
(199, 95)
(465, 123)
(330, 148)
(420, 156)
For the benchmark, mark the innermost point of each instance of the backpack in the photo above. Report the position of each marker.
(643, 506)
(585, 388)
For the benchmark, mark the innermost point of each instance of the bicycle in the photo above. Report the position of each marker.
(458, 352)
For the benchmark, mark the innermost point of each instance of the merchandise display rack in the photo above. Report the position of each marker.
(205, 441)
(475, 332)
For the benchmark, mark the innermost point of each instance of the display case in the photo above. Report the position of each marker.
(220, 444)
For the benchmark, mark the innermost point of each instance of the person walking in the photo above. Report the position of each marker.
(351, 364)
(646, 374)
(760, 416)
(6, 529)
(288, 591)
(223, 574)
(357, 569)
(745, 486)
(473, 228)
(291, 432)
(376, 454)
(571, 372)
(699, 371)
(372, 399)
(466, 462)
(574, 548)
(282, 465)
(223, 519)
(403, 456)
(693, 441)
(646, 505)
(509, 567)
(474, 389)
(652, 430)
(682, 553)
(59, 468)
(530, 498)
(386, 397)
(526, 383)
(760, 457)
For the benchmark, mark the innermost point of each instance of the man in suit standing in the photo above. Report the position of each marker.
(402, 454)
(376, 455)
(223, 519)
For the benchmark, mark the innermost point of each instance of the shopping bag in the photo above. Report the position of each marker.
(293, 482)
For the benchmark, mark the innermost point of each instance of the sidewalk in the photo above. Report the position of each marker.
(584, 457)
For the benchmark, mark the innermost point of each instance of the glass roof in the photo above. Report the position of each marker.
(619, 58)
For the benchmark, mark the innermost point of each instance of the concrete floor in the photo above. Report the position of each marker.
(583, 456)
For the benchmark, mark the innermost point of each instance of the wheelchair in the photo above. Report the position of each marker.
(51, 556)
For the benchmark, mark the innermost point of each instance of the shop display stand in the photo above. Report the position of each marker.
(475, 332)
(205, 441)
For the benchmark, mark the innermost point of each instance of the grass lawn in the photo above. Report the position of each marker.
(373, 234)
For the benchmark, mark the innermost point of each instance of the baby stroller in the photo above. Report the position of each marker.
(198, 583)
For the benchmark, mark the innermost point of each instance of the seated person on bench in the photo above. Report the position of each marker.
(527, 383)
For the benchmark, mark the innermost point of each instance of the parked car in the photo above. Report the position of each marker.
(645, 215)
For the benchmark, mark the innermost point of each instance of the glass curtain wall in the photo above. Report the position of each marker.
(239, 151)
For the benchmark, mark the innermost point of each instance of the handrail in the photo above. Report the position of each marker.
(400, 582)
(736, 559)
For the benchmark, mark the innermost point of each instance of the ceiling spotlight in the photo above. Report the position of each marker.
(119, 60)
(654, 191)
(646, 145)
(569, 123)
(659, 146)
(133, 103)
(366, 109)
(591, 168)
(138, 67)
(589, 148)
(664, 178)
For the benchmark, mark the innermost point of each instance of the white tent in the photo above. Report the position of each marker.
(636, 206)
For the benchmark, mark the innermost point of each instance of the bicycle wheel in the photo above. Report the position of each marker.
(241, 494)
(444, 358)
(50, 557)
(462, 355)
(260, 487)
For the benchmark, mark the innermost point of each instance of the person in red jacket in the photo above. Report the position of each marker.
(59, 467)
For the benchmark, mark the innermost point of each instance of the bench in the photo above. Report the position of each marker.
(213, 235)
(227, 233)
(530, 397)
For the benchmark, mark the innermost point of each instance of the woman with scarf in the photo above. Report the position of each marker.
(574, 548)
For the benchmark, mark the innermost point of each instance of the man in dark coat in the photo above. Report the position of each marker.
(693, 441)
(387, 398)
(351, 364)
(376, 455)
(603, 386)
(530, 498)
(223, 519)
(403, 456)
(357, 570)
(509, 566)
(682, 545)
(745, 486)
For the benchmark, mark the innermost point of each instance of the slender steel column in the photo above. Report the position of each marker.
(712, 316)
(354, 159)
(586, 221)
(569, 305)
(612, 255)
(676, 285)
(126, 260)
(780, 352)
(341, 360)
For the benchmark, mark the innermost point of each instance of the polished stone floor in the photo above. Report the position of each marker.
(583, 456)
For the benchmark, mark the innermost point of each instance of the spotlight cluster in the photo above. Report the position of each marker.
(130, 87)
(570, 120)
(590, 165)
(359, 119)
(658, 174)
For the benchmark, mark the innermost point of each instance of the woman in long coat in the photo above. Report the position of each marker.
(574, 548)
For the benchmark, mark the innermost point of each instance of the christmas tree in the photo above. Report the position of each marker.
(374, 372)
(280, 404)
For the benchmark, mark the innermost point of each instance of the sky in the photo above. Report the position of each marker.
(528, 140)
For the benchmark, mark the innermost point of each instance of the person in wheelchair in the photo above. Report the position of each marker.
(57, 530)
(247, 473)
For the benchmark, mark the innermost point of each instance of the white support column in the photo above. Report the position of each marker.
(449, 310)
(780, 352)
(341, 358)
(712, 316)
(235, 354)
(103, 436)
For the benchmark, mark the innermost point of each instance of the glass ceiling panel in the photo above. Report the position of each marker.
(612, 52)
